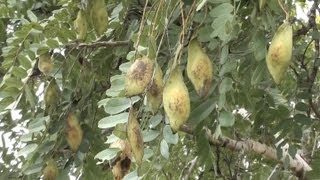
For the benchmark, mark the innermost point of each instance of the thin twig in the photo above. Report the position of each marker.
(313, 75)
(191, 167)
(99, 44)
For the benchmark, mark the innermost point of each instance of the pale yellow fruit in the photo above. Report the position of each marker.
(51, 96)
(121, 166)
(81, 25)
(74, 132)
(50, 172)
(138, 76)
(135, 136)
(99, 16)
(176, 101)
(280, 51)
(154, 93)
(199, 68)
(45, 64)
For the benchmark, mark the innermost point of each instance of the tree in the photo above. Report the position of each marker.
(64, 102)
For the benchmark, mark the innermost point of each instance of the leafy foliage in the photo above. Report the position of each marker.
(243, 102)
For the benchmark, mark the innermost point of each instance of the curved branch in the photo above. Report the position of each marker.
(99, 44)
(316, 63)
(296, 164)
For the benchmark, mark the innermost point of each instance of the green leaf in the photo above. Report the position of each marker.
(33, 168)
(19, 72)
(203, 147)
(10, 92)
(27, 150)
(259, 74)
(13, 82)
(125, 66)
(221, 10)
(225, 85)
(52, 43)
(117, 82)
(226, 119)
(155, 120)
(148, 153)
(224, 54)
(201, 112)
(164, 149)
(168, 135)
(38, 124)
(228, 67)
(150, 135)
(201, 4)
(259, 46)
(30, 96)
(112, 121)
(132, 176)
(32, 16)
(222, 100)
(119, 104)
(111, 139)
(107, 154)
(301, 106)
(5, 102)
(302, 119)
(24, 61)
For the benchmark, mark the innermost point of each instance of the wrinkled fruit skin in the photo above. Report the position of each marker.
(280, 52)
(74, 132)
(135, 136)
(176, 101)
(81, 25)
(99, 16)
(121, 166)
(50, 172)
(45, 64)
(138, 76)
(199, 68)
(154, 93)
(51, 96)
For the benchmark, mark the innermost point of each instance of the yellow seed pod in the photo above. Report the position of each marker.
(74, 132)
(154, 93)
(135, 136)
(199, 68)
(176, 101)
(99, 16)
(51, 96)
(50, 172)
(81, 25)
(45, 64)
(122, 164)
(280, 51)
(138, 76)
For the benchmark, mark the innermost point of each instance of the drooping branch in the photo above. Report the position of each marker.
(296, 164)
(99, 44)
(316, 63)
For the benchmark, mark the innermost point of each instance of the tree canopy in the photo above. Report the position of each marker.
(167, 89)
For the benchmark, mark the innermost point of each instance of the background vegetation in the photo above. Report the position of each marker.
(247, 127)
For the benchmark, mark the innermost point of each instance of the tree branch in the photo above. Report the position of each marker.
(316, 63)
(250, 146)
(99, 44)
(192, 164)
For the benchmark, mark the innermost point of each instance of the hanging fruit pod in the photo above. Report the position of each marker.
(199, 68)
(138, 76)
(176, 101)
(280, 51)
